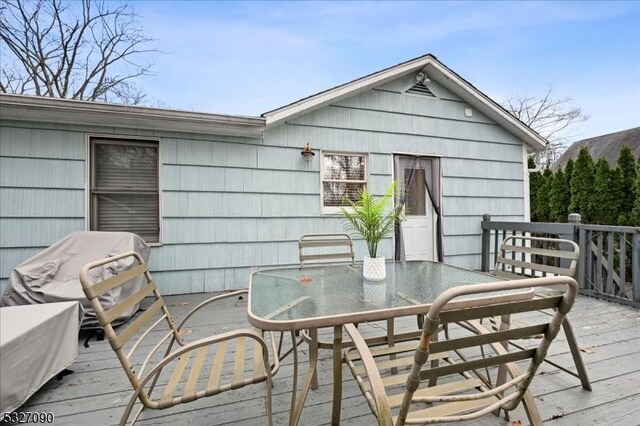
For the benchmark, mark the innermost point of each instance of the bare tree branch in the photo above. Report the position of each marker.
(550, 117)
(66, 49)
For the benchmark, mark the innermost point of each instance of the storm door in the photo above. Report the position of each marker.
(417, 237)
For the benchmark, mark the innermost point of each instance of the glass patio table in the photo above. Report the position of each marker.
(330, 295)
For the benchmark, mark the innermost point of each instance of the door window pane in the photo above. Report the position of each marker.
(416, 193)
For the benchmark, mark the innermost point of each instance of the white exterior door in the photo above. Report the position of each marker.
(418, 228)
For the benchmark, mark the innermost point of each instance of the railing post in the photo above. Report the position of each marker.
(573, 219)
(486, 242)
(635, 266)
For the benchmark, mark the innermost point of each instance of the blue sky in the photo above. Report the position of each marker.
(246, 58)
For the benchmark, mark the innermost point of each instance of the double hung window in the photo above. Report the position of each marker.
(343, 176)
(124, 187)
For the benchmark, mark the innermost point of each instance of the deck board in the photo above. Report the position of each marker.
(98, 390)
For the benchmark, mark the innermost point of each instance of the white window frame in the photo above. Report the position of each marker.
(90, 169)
(334, 210)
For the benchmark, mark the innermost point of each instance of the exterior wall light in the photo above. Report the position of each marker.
(307, 153)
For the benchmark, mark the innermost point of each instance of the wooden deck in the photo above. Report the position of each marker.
(98, 390)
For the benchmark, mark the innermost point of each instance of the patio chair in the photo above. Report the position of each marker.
(316, 249)
(523, 257)
(190, 371)
(467, 388)
(329, 247)
(319, 243)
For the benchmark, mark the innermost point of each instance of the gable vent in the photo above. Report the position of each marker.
(420, 89)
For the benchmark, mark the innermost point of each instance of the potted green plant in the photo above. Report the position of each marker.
(373, 218)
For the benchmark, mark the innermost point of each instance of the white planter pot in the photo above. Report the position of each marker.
(374, 269)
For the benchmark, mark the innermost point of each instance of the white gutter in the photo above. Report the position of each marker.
(67, 111)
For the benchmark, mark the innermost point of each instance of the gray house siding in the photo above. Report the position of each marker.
(482, 164)
(41, 190)
(230, 204)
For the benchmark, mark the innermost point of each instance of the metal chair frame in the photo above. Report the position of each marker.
(319, 241)
(329, 240)
(152, 320)
(518, 261)
(473, 396)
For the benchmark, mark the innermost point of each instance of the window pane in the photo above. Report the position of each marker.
(137, 213)
(126, 166)
(344, 167)
(335, 194)
(416, 193)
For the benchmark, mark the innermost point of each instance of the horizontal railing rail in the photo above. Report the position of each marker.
(609, 263)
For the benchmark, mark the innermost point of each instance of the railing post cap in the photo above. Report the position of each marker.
(486, 217)
(574, 217)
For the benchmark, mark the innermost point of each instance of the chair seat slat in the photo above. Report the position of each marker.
(238, 365)
(258, 364)
(216, 369)
(196, 369)
(170, 389)
(449, 409)
(444, 389)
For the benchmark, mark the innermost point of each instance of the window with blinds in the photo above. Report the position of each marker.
(124, 188)
(343, 176)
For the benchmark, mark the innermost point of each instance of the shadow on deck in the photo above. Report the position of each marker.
(609, 334)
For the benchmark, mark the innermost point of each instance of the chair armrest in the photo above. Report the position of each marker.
(207, 302)
(375, 381)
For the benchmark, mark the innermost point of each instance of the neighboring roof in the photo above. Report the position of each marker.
(607, 146)
(54, 110)
(435, 70)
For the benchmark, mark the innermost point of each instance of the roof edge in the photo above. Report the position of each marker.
(71, 111)
(467, 91)
(492, 109)
(304, 105)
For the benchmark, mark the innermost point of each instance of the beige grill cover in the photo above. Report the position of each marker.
(52, 274)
